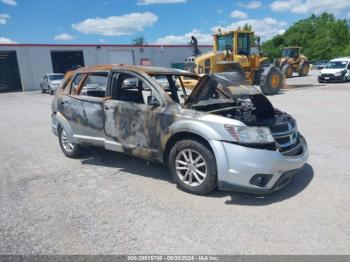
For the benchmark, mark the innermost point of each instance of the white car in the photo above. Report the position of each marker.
(336, 70)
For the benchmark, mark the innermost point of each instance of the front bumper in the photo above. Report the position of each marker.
(237, 165)
(330, 78)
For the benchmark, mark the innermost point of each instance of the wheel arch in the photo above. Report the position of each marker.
(182, 135)
(62, 122)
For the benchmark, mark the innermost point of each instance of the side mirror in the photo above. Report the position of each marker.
(153, 101)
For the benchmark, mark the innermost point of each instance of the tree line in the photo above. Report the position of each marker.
(321, 37)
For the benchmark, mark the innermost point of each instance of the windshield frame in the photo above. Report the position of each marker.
(172, 89)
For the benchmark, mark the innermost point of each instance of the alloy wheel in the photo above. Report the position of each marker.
(191, 167)
(69, 147)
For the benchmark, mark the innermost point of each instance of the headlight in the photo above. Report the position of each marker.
(250, 135)
(340, 73)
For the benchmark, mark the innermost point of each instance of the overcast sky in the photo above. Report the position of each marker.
(159, 21)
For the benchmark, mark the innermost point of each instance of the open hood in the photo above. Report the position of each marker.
(227, 85)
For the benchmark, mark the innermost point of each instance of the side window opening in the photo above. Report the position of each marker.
(129, 88)
(95, 85)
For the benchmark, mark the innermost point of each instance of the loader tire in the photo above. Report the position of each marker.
(271, 80)
(304, 68)
(287, 70)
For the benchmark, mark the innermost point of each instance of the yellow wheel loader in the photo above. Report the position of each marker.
(235, 53)
(293, 61)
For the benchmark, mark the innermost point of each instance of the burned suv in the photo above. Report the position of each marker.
(218, 134)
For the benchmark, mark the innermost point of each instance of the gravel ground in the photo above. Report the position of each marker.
(108, 203)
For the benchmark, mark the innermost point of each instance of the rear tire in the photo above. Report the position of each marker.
(287, 70)
(193, 167)
(304, 68)
(42, 90)
(69, 149)
(271, 80)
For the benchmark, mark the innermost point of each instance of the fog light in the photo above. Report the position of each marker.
(260, 180)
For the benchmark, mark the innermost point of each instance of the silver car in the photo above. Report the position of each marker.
(217, 135)
(50, 83)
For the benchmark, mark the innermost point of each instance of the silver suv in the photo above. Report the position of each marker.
(219, 134)
(50, 83)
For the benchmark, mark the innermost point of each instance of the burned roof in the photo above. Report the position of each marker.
(151, 70)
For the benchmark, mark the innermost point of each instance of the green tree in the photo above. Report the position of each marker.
(321, 37)
(140, 40)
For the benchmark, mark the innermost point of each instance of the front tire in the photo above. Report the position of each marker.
(304, 68)
(345, 79)
(193, 167)
(287, 70)
(69, 149)
(271, 81)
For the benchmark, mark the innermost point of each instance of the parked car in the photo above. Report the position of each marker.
(50, 82)
(321, 64)
(217, 135)
(336, 70)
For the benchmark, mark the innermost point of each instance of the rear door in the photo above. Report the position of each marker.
(130, 119)
(84, 109)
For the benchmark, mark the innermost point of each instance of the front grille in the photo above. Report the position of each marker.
(287, 138)
(331, 76)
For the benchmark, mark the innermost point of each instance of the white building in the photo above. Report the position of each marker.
(22, 66)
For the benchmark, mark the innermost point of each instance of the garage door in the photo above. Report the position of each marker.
(125, 57)
(63, 61)
(10, 79)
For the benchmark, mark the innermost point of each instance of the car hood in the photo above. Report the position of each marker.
(331, 70)
(228, 83)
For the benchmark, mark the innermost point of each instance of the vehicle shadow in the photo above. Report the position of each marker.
(297, 185)
(293, 86)
(124, 163)
(139, 167)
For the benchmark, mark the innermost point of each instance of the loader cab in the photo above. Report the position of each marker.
(224, 42)
(291, 52)
(236, 42)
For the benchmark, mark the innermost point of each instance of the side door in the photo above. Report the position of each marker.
(131, 116)
(83, 107)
